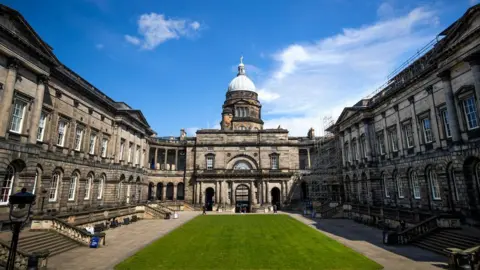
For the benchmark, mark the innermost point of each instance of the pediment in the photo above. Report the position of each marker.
(14, 24)
(463, 27)
(138, 115)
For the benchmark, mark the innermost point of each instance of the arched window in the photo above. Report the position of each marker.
(72, 187)
(242, 165)
(398, 182)
(434, 185)
(100, 187)
(53, 189)
(88, 186)
(415, 184)
(385, 185)
(7, 184)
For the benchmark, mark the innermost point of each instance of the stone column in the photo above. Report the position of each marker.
(175, 191)
(37, 110)
(342, 147)
(309, 161)
(217, 194)
(451, 109)
(166, 156)
(200, 193)
(155, 159)
(267, 193)
(164, 192)
(7, 95)
(176, 159)
(474, 62)
(252, 198)
(154, 192)
(221, 200)
(282, 192)
(233, 194)
(368, 146)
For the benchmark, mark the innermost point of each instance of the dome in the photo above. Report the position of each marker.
(241, 82)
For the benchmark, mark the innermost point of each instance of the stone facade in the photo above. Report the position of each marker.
(414, 144)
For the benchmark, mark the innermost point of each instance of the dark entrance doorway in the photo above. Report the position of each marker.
(304, 188)
(150, 191)
(242, 198)
(169, 192)
(275, 197)
(159, 191)
(209, 193)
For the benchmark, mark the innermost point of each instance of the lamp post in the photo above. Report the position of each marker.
(20, 207)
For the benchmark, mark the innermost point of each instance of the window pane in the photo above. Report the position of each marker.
(17, 116)
(41, 127)
(470, 112)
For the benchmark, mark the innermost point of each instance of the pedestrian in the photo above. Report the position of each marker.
(274, 208)
(204, 210)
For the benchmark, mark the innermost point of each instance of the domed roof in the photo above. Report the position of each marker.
(241, 82)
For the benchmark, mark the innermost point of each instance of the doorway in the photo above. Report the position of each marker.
(275, 192)
(304, 188)
(209, 193)
(242, 198)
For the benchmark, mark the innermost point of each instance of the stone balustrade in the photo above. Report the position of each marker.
(21, 257)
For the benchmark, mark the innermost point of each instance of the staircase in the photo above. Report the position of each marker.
(440, 239)
(43, 240)
(188, 207)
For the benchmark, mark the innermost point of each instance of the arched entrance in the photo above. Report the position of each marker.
(180, 191)
(304, 188)
(209, 193)
(159, 191)
(242, 198)
(276, 200)
(471, 169)
(150, 191)
(169, 195)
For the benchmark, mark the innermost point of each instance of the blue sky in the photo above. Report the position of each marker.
(174, 59)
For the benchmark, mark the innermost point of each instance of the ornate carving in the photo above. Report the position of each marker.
(42, 79)
(13, 63)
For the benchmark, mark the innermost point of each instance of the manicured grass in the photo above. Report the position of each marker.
(246, 242)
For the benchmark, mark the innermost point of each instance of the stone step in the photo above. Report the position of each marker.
(46, 240)
(431, 247)
(439, 240)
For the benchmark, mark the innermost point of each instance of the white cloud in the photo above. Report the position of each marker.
(386, 10)
(99, 46)
(155, 29)
(317, 79)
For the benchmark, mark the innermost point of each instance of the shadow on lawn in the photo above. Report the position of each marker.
(351, 230)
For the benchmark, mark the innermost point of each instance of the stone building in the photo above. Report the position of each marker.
(60, 137)
(414, 145)
(240, 164)
(77, 149)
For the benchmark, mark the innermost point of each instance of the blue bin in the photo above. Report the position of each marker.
(94, 242)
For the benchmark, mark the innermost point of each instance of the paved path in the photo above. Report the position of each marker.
(368, 241)
(121, 243)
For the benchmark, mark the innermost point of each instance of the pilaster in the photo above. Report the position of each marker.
(450, 101)
(7, 95)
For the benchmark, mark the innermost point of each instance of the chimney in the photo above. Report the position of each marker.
(311, 133)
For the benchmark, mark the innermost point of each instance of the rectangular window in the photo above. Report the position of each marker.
(78, 138)
(52, 193)
(392, 134)
(18, 115)
(274, 162)
(407, 128)
(62, 130)
(41, 127)
(104, 147)
(446, 125)
(209, 163)
(72, 187)
(381, 143)
(122, 147)
(427, 130)
(470, 111)
(93, 141)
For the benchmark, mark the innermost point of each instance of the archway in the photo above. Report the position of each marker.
(159, 191)
(276, 200)
(242, 198)
(471, 169)
(150, 191)
(209, 193)
(169, 195)
(180, 191)
(304, 188)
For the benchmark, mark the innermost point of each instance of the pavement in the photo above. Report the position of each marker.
(121, 243)
(368, 241)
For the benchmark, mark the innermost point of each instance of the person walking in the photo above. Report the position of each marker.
(274, 208)
(204, 210)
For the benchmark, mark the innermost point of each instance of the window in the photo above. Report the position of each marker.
(100, 187)
(381, 143)
(53, 189)
(392, 134)
(72, 187)
(18, 115)
(93, 141)
(88, 186)
(347, 158)
(446, 125)
(415, 184)
(363, 152)
(7, 185)
(470, 111)
(137, 154)
(130, 152)
(407, 128)
(119, 190)
(210, 148)
(427, 130)
(354, 149)
(398, 182)
(104, 147)
(210, 160)
(122, 147)
(453, 181)
(242, 165)
(434, 185)
(241, 112)
(62, 130)
(385, 185)
(274, 162)
(78, 138)
(41, 127)
(242, 128)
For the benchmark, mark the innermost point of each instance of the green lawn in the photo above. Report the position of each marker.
(246, 242)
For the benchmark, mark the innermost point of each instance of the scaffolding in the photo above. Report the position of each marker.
(327, 161)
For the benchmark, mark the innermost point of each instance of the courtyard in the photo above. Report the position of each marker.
(246, 242)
